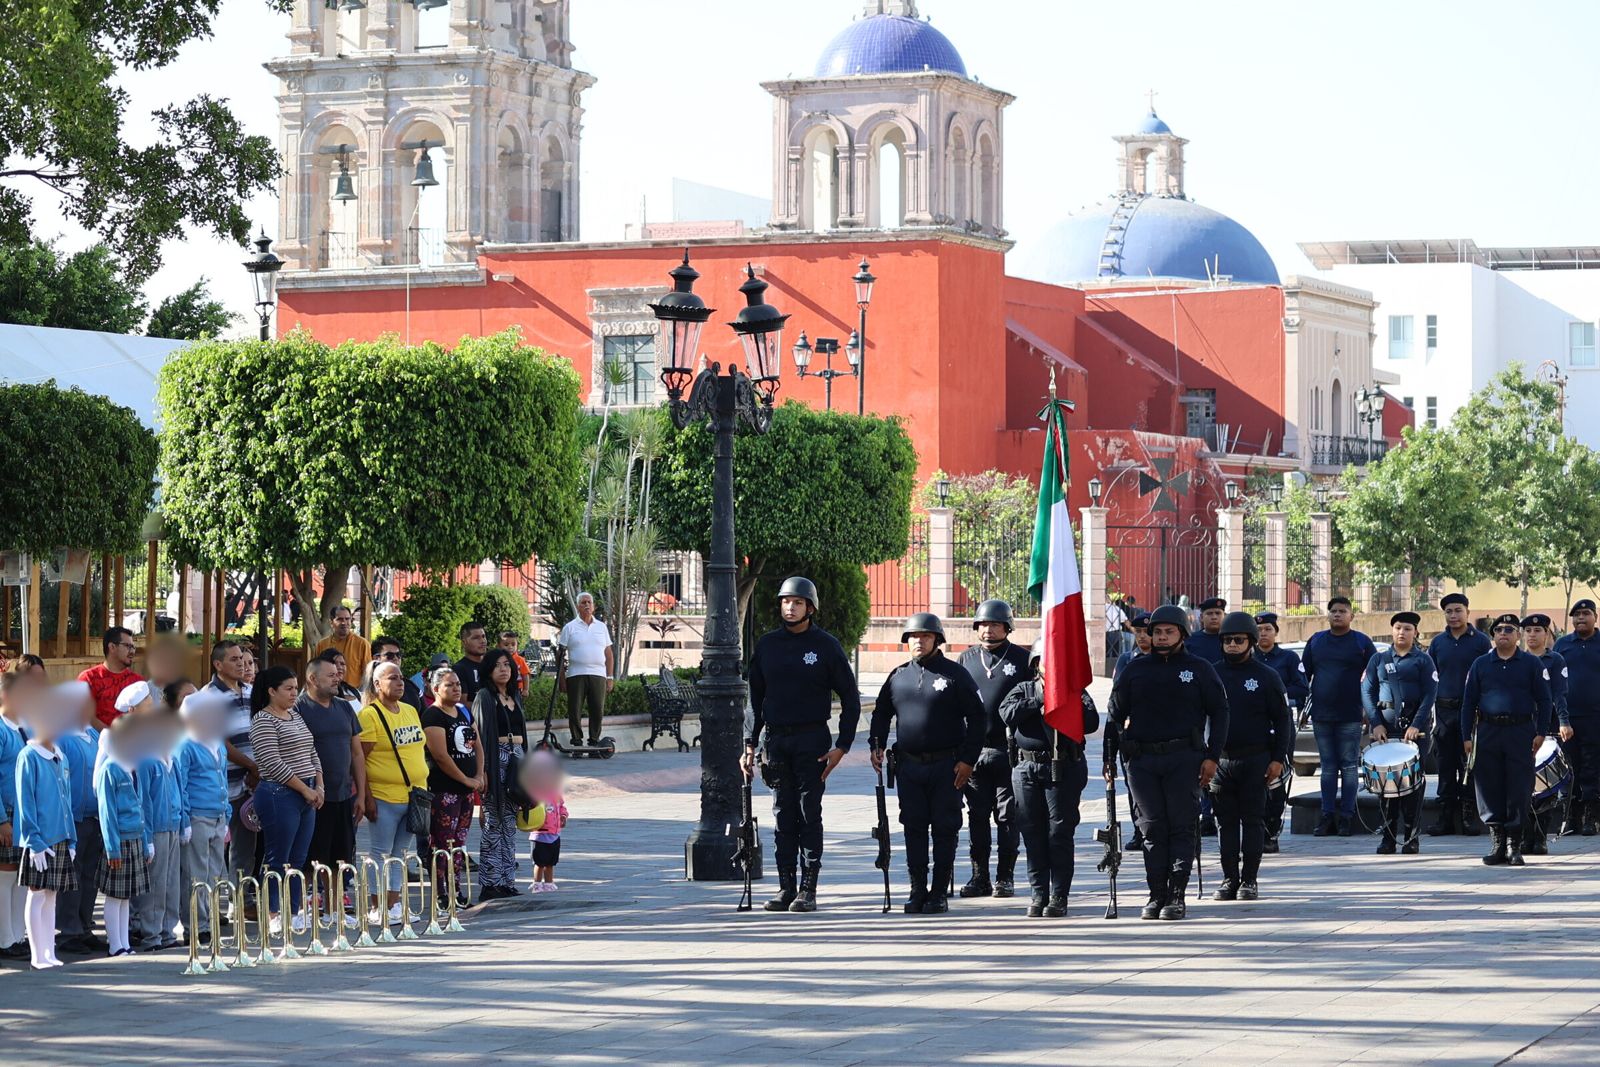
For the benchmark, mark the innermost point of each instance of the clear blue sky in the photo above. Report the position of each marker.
(1369, 118)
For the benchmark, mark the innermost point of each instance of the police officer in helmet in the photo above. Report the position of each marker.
(997, 666)
(939, 725)
(1505, 714)
(795, 672)
(1172, 714)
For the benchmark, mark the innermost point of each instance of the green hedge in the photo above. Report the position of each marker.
(628, 698)
(431, 616)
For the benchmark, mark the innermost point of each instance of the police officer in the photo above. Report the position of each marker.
(1172, 716)
(1505, 713)
(1207, 644)
(1537, 638)
(1287, 664)
(794, 674)
(1260, 734)
(997, 666)
(1048, 780)
(1397, 694)
(1580, 649)
(1453, 652)
(939, 729)
(1140, 625)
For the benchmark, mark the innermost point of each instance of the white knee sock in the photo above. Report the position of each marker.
(41, 924)
(116, 912)
(9, 935)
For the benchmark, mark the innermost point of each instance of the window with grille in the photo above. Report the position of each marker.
(1433, 412)
(1433, 333)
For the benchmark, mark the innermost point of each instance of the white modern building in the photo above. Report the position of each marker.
(1452, 314)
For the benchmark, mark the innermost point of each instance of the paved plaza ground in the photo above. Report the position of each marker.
(1349, 958)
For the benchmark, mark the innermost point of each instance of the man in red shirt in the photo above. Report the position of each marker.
(114, 675)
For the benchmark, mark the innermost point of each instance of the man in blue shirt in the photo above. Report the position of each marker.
(1580, 740)
(1207, 642)
(1334, 661)
(1287, 664)
(1453, 652)
(1140, 625)
(1505, 713)
(1539, 640)
(1397, 693)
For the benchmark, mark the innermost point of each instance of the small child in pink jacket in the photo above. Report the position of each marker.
(547, 845)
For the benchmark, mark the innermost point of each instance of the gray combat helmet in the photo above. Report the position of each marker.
(923, 622)
(804, 588)
(993, 611)
(1239, 622)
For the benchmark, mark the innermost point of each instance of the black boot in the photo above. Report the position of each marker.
(1412, 846)
(938, 898)
(1445, 824)
(1228, 890)
(1269, 845)
(1037, 905)
(978, 885)
(1591, 819)
(1386, 846)
(919, 892)
(1573, 823)
(786, 893)
(1497, 854)
(1346, 826)
(1248, 890)
(1514, 851)
(1470, 825)
(1056, 908)
(1152, 907)
(1176, 907)
(1005, 882)
(806, 899)
(1326, 827)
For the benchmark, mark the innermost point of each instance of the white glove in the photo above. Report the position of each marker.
(188, 835)
(72, 854)
(149, 852)
(41, 860)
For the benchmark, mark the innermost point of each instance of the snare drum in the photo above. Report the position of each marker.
(1392, 769)
(1551, 771)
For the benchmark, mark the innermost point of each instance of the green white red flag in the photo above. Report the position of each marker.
(1054, 581)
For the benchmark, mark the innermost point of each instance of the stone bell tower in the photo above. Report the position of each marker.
(1151, 161)
(414, 131)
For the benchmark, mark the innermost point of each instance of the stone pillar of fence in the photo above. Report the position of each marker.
(1230, 556)
(1407, 598)
(1321, 559)
(1362, 592)
(941, 561)
(1277, 561)
(1092, 571)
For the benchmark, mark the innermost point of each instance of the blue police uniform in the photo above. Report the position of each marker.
(1582, 658)
(1453, 657)
(1207, 646)
(1504, 706)
(988, 792)
(1398, 692)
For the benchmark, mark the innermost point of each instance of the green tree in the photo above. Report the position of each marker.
(292, 454)
(821, 486)
(993, 515)
(192, 315)
(430, 618)
(80, 471)
(1572, 518)
(846, 609)
(1420, 508)
(84, 291)
(61, 129)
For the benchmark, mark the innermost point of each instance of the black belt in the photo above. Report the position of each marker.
(925, 757)
(1159, 748)
(1448, 705)
(1508, 720)
(790, 729)
(1032, 755)
(1244, 751)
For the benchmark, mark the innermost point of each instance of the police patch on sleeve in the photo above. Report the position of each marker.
(1546, 674)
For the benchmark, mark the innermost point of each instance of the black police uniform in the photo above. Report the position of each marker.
(1049, 779)
(793, 679)
(1582, 657)
(1398, 692)
(1260, 733)
(1287, 664)
(1507, 702)
(939, 722)
(1453, 657)
(1171, 713)
(988, 792)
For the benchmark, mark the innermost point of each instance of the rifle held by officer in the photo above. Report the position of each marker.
(745, 854)
(880, 833)
(1110, 835)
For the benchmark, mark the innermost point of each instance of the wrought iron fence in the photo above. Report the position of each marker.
(1330, 451)
(1161, 564)
(900, 586)
(682, 588)
(992, 562)
(1255, 568)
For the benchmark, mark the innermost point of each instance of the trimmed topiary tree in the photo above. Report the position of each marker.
(846, 609)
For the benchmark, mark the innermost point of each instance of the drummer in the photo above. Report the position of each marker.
(1505, 713)
(1397, 693)
(1538, 639)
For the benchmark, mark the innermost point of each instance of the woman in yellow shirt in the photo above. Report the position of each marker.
(394, 745)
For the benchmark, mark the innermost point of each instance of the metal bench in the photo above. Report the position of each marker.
(670, 699)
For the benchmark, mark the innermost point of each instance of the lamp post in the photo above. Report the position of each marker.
(1322, 497)
(1096, 487)
(263, 268)
(864, 281)
(1230, 490)
(1369, 408)
(728, 401)
(1275, 494)
(826, 347)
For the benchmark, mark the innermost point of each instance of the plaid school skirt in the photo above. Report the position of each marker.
(57, 877)
(130, 878)
(10, 855)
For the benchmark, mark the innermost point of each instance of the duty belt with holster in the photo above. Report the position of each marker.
(1505, 720)
(791, 729)
(1447, 705)
(1134, 749)
(924, 757)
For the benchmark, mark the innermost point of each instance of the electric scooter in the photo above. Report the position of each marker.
(604, 748)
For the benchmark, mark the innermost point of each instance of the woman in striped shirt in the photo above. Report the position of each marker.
(291, 783)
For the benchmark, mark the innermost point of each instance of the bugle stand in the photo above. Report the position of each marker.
(454, 925)
(358, 885)
(236, 912)
(436, 878)
(264, 904)
(374, 890)
(242, 921)
(314, 905)
(195, 967)
(404, 862)
(289, 952)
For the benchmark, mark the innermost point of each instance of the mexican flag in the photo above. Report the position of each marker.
(1053, 580)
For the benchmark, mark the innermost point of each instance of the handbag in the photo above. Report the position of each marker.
(419, 802)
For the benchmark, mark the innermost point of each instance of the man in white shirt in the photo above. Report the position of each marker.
(587, 670)
(1116, 620)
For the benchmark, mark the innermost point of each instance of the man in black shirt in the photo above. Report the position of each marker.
(795, 672)
(1172, 717)
(1260, 734)
(1505, 715)
(939, 726)
(997, 666)
(474, 644)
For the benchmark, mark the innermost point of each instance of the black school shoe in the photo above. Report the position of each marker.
(19, 951)
(1326, 827)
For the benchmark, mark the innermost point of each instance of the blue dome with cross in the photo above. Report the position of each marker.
(889, 44)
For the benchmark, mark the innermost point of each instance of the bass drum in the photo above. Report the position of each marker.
(1551, 773)
(1392, 769)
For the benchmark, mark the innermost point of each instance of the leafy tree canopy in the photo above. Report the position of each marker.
(191, 315)
(846, 609)
(61, 129)
(84, 291)
(80, 471)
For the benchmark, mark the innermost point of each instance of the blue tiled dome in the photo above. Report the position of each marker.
(1162, 237)
(1152, 124)
(889, 44)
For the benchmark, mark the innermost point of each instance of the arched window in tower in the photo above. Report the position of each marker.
(335, 203)
(552, 191)
(960, 171)
(988, 212)
(1336, 410)
(433, 25)
(889, 205)
(424, 180)
(1142, 171)
(819, 202)
(511, 188)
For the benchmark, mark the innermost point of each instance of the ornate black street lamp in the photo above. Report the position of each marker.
(728, 401)
(863, 281)
(263, 267)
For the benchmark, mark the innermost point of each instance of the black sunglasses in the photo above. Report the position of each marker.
(1506, 630)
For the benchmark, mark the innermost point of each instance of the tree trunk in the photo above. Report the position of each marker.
(314, 616)
(750, 573)
(1526, 577)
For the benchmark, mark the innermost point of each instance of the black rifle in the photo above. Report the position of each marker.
(880, 833)
(749, 844)
(1110, 835)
